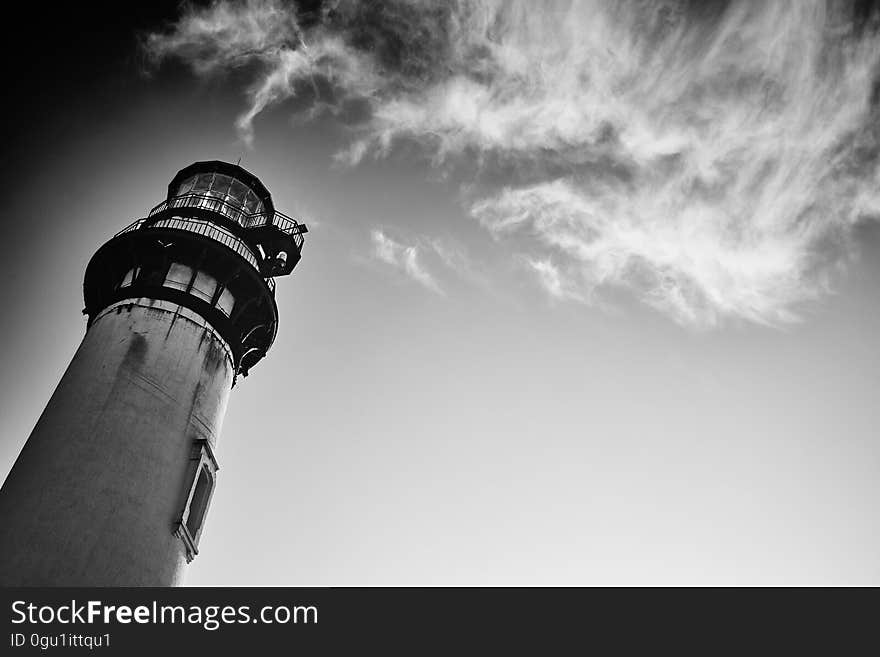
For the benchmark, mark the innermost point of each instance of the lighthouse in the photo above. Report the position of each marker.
(114, 484)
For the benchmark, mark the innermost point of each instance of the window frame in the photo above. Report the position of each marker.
(201, 460)
(128, 282)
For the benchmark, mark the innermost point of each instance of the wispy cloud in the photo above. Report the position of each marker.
(714, 158)
(552, 280)
(406, 258)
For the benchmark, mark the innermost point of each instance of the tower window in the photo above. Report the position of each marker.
(199, 284)
(226, 302)
(199, 503)
(201, 477)
(129, 277)
(179, 276)
(204, 286)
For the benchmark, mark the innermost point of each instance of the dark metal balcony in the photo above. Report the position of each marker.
(200, 227)
(237, 213)
(258, 237)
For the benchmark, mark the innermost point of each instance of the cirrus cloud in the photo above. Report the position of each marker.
(404, 257)
(712, 158)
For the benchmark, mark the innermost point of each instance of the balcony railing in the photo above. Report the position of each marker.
(137, 223)
(212, 231)
(207, 229)
(287, 225)
(290, 226)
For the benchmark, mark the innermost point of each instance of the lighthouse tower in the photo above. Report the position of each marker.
(114, 483)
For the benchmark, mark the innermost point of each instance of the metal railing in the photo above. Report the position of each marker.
(287, 225)
(137, 223)
(234, 211)
(208, 230)
(214, 232)
(290, 226)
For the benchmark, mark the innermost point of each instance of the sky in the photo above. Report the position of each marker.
(589, 295)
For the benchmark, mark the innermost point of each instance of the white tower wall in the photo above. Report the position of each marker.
(97, 493)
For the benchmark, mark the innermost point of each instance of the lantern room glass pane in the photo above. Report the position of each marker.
(202, 182)
(220, 186)
(223, 194)
(238, 191)
(251, 202)
(186, 186)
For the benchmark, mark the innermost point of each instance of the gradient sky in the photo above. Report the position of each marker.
(449, 402)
